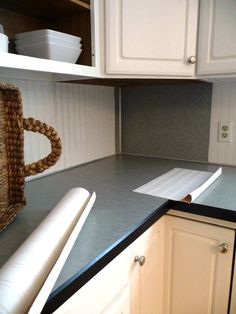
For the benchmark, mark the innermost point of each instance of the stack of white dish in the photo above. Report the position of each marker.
(3, 40)
(49, 44)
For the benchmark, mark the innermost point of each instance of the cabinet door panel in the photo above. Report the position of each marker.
(146, 280)
(150, 37)
(145, 28)
(120, 304)
(97, 293)
(217, 40)
(197, 275)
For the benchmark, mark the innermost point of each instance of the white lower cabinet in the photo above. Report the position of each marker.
(198, 265)
(107, 292)
(125, 285)
(177, 266)
(120, 304)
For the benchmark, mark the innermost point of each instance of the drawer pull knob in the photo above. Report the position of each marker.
(140, 259)
(192, 59)
(223, 248)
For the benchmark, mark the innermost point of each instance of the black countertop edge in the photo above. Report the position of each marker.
(65, 291)
(204, 210)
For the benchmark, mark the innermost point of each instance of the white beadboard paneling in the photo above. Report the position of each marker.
(223, 109)
(83, 115)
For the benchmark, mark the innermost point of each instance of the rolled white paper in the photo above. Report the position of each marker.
(23, 275)
(195, 193)
(46, 289)
(180, 184)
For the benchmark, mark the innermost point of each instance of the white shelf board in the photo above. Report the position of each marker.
(18, 66)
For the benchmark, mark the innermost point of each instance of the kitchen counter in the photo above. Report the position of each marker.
(118, 211)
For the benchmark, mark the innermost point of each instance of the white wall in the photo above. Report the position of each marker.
(223, 109)
(83, 115)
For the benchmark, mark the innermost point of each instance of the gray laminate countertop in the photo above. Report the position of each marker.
(117, 207)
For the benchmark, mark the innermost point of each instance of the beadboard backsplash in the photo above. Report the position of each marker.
(223, 110)
(83, 115)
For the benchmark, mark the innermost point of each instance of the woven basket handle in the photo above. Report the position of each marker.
(33, 125)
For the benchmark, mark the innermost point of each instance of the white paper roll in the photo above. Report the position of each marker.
(23, 275)
(47, 287)
(180, 184)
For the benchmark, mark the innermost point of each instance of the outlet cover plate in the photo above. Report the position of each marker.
(225, 130)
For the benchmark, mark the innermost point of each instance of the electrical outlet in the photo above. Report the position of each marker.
(225, 131)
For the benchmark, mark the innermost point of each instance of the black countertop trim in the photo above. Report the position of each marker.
(65, 291)
(203, 210)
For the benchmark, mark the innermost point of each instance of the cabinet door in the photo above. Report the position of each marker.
(120, 304)
(217, 40)
(151, 37)
(197, 274)
(146, 279)
(108, 290)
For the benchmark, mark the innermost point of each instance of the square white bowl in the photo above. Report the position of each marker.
(49, 40)
(51, 51)
(45, 33)
(3, 43)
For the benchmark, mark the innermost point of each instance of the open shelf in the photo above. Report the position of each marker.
(68, 16)
(23, 67)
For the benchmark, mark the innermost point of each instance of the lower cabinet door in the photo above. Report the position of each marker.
(147, 271)
(131, 283)
(197, 267)
(107, 292)
(120, 304)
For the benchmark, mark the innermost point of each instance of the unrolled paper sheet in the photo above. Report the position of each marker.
(24, 274)
(180, 184)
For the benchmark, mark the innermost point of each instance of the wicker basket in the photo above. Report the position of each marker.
(12, 168)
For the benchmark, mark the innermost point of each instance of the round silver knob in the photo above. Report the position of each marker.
(223, 248)
(192, 59)
(140, 259)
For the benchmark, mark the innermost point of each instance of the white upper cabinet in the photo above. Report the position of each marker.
(151, 37)
(217, 39)
(126, 38)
